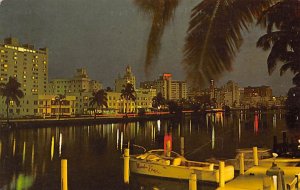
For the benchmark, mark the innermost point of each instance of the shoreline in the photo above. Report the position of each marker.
(74, 121)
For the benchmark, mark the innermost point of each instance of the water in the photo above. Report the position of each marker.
(30, 158)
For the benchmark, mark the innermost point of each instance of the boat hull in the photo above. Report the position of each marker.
(178, 172)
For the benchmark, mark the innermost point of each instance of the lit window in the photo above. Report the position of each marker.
(15, 58)
(32, 77)
(24, 76)
(5, 65)
(2, 51)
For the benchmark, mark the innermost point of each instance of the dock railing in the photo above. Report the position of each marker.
(294, 184)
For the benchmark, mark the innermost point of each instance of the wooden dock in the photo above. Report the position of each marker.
(253, 178)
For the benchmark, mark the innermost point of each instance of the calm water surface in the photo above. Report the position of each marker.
(30, 158)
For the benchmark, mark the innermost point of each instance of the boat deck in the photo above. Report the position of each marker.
(253, 178)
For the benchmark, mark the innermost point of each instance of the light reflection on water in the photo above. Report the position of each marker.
(31, 157)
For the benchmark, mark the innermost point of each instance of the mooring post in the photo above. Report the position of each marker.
(221, 174)
(255, 156)
(242, 164)
(64, 174)
(182, 145)
(126, 166)
(193, 182)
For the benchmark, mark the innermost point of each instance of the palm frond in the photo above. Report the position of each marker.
(279, 15)
(214, 36)
(292, 65)
(278, 48)
(161, 11)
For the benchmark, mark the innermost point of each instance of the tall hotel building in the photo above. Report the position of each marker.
(30, 67)
(170, 89)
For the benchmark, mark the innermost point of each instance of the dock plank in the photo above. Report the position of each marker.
(253, 178)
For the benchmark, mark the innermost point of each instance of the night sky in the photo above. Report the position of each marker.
(106, 35)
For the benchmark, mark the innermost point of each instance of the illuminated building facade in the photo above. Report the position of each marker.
(144, 98)
(262, 91)
(51, 105)
(231, 94)
(30, 67)
(80, 86)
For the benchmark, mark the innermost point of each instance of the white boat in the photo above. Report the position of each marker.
(265, 158)
(156, 163)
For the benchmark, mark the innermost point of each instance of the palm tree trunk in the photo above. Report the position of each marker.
(7, 118)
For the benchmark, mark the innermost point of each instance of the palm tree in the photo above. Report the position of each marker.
(100, 99)
(12, 92)
(59, 100)
(283, 38)
(161, 11)
(158, 101)
(127, 94)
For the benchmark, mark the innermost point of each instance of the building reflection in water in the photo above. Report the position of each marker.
(274, 120)
(25, 159)
(213, 138)
(60, 144)
(255, 123)
(240, 131)
(52, 147)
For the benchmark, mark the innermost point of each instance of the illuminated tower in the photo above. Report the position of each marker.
(127, 78)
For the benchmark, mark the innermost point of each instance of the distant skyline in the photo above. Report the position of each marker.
(104, 36)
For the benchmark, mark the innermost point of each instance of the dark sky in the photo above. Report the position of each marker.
(106, 35)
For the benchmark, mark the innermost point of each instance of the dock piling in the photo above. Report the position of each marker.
(126, 166)
(221, 174)
(242, 164)
(255, 156)
(193, 182)
(64, 174)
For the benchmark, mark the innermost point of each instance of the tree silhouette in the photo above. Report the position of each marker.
(158, 100)
(99, 99)
(282, 22)
(128, 94)
(59, 100)
(12, 93)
